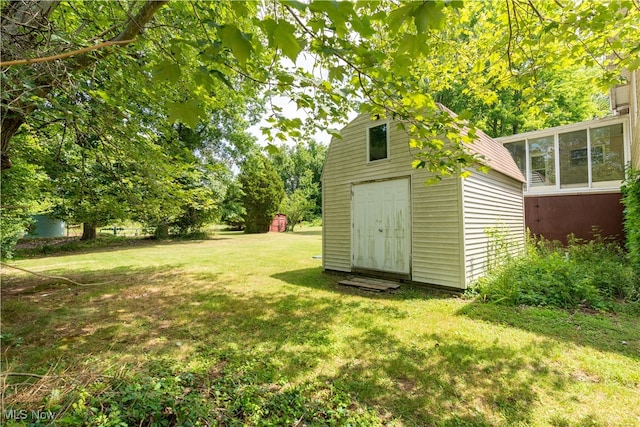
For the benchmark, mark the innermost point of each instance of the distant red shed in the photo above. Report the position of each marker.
(279, 224)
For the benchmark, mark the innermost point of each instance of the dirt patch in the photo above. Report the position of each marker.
(30, 244)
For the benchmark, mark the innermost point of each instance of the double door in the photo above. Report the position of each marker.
(382, 226)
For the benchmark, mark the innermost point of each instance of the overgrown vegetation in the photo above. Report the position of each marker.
(631, 201)
(594, 275)
(238, 388)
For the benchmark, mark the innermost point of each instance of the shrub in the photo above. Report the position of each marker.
(590, 274)
(631, 202)
(12, 227)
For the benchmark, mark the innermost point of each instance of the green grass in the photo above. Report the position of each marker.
(247, 329)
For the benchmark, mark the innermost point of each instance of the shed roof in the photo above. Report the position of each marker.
(492, 153)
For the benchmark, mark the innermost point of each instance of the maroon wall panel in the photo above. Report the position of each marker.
(554, 217)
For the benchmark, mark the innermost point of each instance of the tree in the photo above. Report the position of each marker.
(20, 196)
(296, 206)
(84, 183)
(162, 174)
(300, 168)
(233, 212)
(388, 57)
(262, 193)
(26, 32)
(564, 96)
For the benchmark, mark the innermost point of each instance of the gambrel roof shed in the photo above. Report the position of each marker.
(380, 218)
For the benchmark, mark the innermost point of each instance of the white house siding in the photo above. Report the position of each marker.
(436, 248)
(490, 200)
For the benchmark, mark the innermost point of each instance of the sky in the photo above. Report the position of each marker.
(289, 108)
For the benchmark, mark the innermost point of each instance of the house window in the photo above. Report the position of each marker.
(607, 154)
(542, 162)
(585, 157)
(378, 142)
(574, 159)
(597, 154)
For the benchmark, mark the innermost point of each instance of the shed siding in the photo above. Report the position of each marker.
(336, 226)
(437, 254)
(490, 200)
(436, 227)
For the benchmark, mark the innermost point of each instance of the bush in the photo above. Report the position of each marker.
(590, 274)
(12, 227)
(631, 202)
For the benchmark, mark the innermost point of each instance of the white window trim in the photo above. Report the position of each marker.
(374, 124)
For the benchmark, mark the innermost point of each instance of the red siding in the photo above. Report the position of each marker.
(279, 224)
(554, 217)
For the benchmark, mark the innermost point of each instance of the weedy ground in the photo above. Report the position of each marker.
(248, 330)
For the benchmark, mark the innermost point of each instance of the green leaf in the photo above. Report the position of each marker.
(220, 76)
(286, 40)
(295, 4)
(336, 73)
(285, 79)
(272, 149)
(398, 16)
(338, 13)
(269, 27)
(429, 15)
(237, 41)
(166, 70)
(418, 164)
(239, 7)
(187, 112)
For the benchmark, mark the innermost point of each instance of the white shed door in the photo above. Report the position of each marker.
(382, 226)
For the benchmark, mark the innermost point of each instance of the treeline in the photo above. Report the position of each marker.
(287, 181)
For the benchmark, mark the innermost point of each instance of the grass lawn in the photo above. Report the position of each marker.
(253, 332)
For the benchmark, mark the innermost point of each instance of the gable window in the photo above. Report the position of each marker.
(378, 144)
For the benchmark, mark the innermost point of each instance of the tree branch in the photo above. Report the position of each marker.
(65, 55)
(4, 264)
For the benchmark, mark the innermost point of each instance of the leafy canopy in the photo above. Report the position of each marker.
(387, 57)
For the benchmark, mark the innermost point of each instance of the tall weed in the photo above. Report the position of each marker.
(594, 274)
(631, 201)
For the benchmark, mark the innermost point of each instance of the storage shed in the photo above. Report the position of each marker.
(381, 219)
(279, 224)
(45, 226)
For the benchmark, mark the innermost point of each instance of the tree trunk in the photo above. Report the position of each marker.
(162, 232)
(89, 232)
(10, 125)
